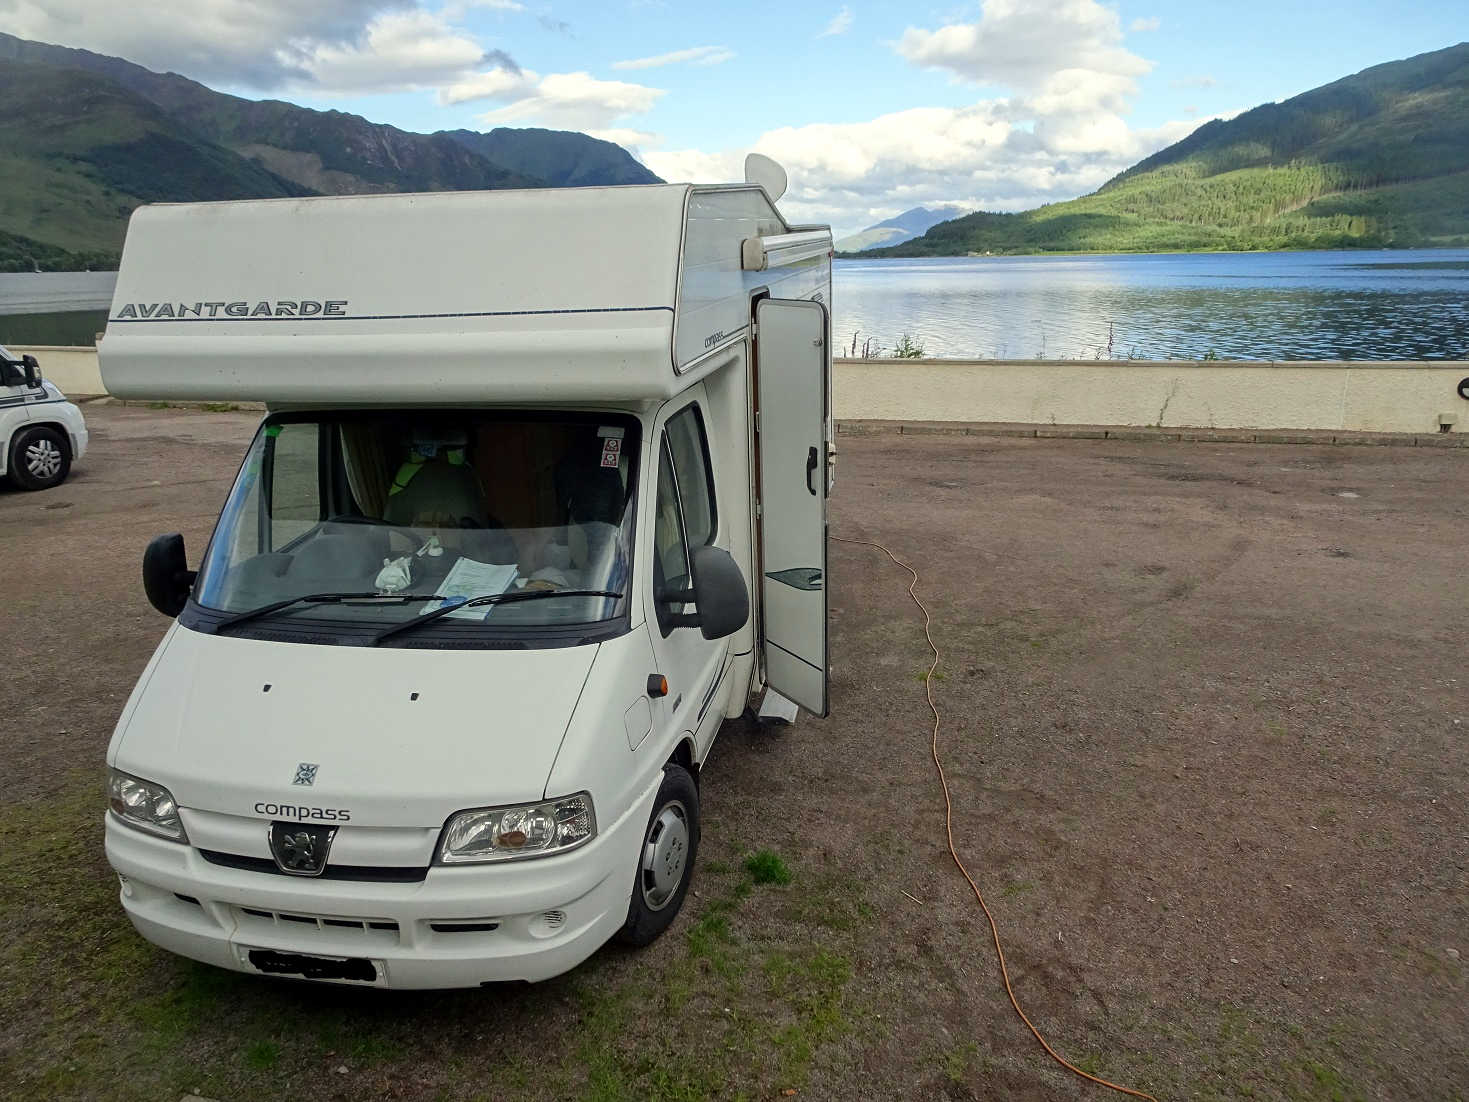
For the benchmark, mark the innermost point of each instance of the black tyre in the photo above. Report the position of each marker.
(666, 860)
(39, 458)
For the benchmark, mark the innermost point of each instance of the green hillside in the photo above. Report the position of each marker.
(86, 138)
(1376, 159)
(22, 254)
(78, 153)
(562, 158)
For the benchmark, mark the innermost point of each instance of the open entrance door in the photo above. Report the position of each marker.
(793, 346)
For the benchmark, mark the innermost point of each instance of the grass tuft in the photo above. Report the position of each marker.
(766, 867)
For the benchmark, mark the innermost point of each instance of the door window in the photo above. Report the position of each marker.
(686, 516)
(670, 547)
(690, 451)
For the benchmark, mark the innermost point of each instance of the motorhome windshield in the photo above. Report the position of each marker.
(442, 507)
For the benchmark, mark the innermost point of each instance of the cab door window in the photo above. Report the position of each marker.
(686, 515)
(690, 451)
(670, 547)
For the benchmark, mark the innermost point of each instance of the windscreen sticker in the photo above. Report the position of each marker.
(611, 451)
(614, 432)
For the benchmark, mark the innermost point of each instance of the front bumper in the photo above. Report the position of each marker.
(507, 914)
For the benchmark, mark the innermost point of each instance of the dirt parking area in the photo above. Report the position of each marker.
(1205, 722)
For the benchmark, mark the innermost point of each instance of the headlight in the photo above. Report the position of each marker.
(528, 830)
(144, 805)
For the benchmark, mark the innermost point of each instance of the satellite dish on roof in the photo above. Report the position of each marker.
(762, 170)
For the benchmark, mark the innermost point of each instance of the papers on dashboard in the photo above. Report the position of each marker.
(468, 579)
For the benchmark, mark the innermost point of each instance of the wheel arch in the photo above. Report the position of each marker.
(683, 754)
(59, 427)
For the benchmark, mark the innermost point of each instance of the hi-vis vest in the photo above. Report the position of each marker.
(416, 459)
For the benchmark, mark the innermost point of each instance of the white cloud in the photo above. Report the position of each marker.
(561, 101)
(627, 138)
(840, 23)
(695, 55)
(1023, 43)
(496, 84)
(457, 9)
(325, 46)
(1150, 23)
(399, 51)
(255, 43)
(1061, 132)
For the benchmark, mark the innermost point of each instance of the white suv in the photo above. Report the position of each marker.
(41, 433)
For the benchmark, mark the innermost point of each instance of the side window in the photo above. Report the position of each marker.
(670, 549)
(690, 448)
(295, 485)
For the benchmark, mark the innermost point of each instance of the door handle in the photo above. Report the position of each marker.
(811, 461)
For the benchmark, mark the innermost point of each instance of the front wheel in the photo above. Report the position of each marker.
(666, 859)
(39, 459)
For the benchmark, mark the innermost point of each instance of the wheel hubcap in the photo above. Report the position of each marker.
(665, 853)
(43, 459)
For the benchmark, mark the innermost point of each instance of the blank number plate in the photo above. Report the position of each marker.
(275, 963)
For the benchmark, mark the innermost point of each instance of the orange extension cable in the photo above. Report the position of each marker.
(949, 828)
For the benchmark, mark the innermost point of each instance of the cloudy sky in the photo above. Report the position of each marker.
(872, 107)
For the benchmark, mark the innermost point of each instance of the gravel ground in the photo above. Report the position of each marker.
(1204, 719)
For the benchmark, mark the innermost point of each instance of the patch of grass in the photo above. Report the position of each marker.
(262, 1055)
(1091, 1063)
(766, 867)
(833, 900)
(220, 407)
(813, 987)
(1328, 1083)
(957, 1060)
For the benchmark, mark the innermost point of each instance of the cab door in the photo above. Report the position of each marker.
(686, 517)
(793, 351)
(15, 396)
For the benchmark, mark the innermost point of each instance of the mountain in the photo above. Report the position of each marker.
(903, 227)
(78, 152)
(22, 254)
(562, 158)
(1380, 158)
(85, 138)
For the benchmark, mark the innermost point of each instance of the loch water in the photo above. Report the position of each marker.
(1342, 305)
(1339, 305)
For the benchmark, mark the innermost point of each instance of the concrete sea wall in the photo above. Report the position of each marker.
(1402, 397)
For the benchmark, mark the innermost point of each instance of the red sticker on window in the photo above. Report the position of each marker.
(611, 452)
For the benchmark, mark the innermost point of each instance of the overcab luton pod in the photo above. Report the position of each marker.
(539, 501)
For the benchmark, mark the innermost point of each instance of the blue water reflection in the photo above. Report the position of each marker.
(1387, 305)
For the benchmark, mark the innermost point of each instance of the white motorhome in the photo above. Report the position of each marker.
(41, 433)
(539, 501)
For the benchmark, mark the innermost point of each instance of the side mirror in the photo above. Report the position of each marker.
(721, 600)
(32, 370)
(167, 578)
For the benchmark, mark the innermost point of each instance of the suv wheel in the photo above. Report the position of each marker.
(39, 459)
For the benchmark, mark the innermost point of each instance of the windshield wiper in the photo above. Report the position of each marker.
(488, 599)
(318, 599)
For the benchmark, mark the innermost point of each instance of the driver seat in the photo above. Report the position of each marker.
(439, 495)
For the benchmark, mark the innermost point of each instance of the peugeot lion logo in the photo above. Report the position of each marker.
(305, 773)
(299, 849)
